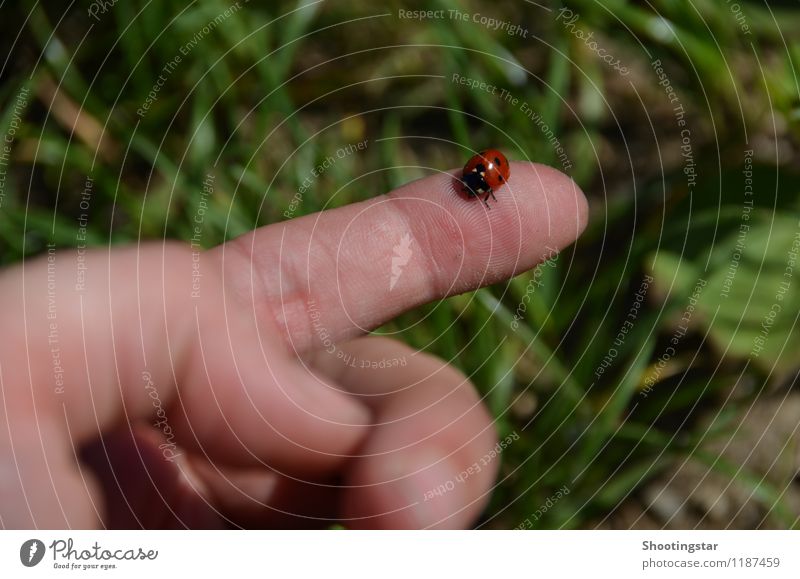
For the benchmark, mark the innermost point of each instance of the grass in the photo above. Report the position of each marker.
(271, 91)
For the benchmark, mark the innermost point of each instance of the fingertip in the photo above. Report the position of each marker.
(571, 198)
(424, 489)
(425, 464)
(550, 203)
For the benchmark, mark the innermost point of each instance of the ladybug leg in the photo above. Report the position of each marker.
(486, 199)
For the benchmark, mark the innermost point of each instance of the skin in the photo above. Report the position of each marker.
(270, 429)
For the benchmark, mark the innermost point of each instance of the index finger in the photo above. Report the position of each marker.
(335, 274)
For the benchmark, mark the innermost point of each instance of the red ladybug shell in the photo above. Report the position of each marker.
(484, 173)
(496, 169)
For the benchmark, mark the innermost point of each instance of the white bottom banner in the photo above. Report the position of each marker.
(400, 554)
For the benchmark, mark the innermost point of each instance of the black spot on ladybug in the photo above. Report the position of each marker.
(497, 161)
(501, 178)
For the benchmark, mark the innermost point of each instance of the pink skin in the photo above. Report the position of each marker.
(270, 428)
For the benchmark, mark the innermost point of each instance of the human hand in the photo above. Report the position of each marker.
(154, 386)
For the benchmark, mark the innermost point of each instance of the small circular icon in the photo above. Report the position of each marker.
(31, 553)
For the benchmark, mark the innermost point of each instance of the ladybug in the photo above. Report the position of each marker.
(484, 173)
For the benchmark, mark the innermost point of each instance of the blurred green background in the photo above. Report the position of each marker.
(663, 424)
